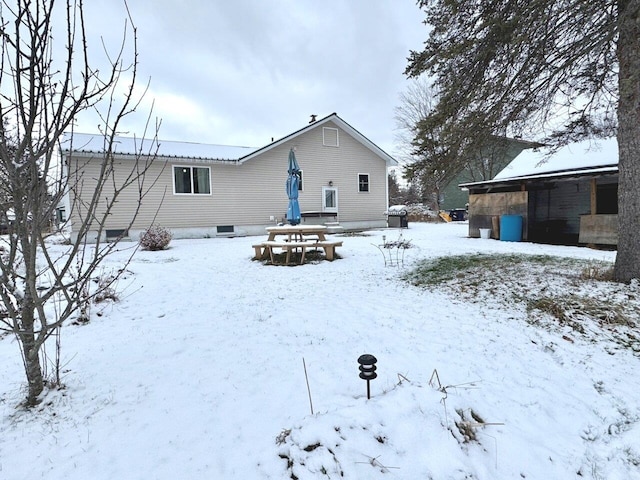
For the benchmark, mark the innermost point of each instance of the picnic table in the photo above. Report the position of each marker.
(290, 238)
(297, 232)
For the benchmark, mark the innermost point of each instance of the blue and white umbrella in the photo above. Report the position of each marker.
(293, 180)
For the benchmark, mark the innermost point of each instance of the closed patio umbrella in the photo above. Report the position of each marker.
(293, 180)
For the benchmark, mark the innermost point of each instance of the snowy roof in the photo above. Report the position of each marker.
(589, 156)
(88, 143)
(576, 156)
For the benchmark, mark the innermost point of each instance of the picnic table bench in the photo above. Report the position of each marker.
(265, 249)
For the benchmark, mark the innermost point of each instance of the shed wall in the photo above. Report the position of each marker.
(555, 209)
(484, 208)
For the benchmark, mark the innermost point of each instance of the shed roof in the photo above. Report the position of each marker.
(589, 157)
(575, 156)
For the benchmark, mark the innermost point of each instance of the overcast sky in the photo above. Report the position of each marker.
(241, 72)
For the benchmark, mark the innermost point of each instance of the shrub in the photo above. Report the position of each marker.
(155, 238)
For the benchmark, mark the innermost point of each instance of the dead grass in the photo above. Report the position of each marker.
(596, 271)
(467, 426)
(560, 294)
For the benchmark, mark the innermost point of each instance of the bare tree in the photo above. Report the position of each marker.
(423, 168)
(415, 104)
(430, 163)
(41, 96)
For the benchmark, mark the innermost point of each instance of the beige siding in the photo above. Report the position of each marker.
(251, 192)
(341, 165)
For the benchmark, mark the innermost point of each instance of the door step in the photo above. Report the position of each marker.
(334, 227)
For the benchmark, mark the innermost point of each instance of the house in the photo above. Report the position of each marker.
(568, 197)
(199, 190)
(491, 160)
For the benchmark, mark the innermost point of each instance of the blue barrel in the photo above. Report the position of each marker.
(511, 228)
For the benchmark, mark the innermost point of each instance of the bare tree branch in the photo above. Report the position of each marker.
(39, 101)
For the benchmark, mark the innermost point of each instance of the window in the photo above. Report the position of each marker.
(363, 182)
(329, 199)
(330, 137)
(300, 181)
(61, 215)
(191, 180)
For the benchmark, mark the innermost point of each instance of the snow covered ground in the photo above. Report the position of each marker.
(197, 372)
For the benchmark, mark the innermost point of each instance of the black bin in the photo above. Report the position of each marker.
(398, 219)
(458, 214)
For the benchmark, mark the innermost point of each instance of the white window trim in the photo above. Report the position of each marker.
(324, 137)
(173, 180)
(301, 185)
(324, 207)
(368, 183)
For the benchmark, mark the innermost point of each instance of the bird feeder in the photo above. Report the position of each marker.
(367, 370)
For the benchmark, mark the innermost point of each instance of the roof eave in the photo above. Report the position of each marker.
(164, 158)
(602, 170)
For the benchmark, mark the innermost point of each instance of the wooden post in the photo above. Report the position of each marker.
(594, 196)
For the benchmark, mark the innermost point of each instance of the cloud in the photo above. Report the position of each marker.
(242, 72)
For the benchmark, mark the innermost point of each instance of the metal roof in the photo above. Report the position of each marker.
(88, 143)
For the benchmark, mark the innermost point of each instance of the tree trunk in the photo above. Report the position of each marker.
(627, 264)
(31, 359)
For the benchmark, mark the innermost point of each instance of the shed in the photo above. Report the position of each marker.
(567, 197)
